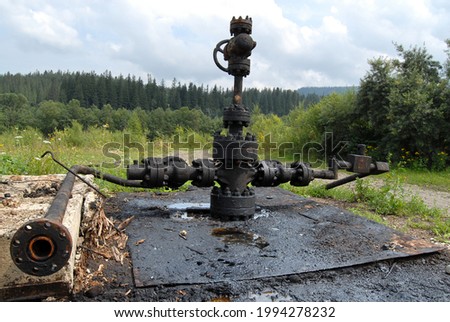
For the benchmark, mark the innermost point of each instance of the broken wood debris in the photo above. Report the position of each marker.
(104, 237)
(140, 241)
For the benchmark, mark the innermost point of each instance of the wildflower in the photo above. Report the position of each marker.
(46, 142)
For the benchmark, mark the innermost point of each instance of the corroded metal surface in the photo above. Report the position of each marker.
(235, 161)
(288, 235)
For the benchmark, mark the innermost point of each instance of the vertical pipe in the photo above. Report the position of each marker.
(237, 91)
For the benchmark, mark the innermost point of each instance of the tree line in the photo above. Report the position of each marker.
(51, 116)
(93, 90)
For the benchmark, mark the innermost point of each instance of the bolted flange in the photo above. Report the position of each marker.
(227, 205)
(41, 247)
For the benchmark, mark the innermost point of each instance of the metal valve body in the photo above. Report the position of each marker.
(235, 161)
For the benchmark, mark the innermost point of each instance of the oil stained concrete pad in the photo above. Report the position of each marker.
(289, 235)
(23, 198)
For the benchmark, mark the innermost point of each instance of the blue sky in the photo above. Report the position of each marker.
(300, 43)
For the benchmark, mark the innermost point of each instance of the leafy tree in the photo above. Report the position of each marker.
(120, 119)
(403, 107)
(14, 108)
(106, 115)
(303, 128)
(74, 134)
(51, 116)
(415, 109)
(3, 122)
(134, 125)
(371, 124)
(337, 121)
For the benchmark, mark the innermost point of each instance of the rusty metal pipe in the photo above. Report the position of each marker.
(345, 180)
(43, 246)
(373, 169)
(108, 177)
(237, 90)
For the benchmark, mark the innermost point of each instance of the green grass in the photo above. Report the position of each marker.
(368, 214)
(318, 190)
(434, 180)
(21, 151)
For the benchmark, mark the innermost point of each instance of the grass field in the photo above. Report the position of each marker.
(434, 180)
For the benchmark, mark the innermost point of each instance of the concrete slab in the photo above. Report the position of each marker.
(23, 198)
(172, 241)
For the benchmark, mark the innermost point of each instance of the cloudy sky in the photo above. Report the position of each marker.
(300, 43)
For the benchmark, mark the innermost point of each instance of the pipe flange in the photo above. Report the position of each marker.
(303, 175)
(229, 207)
(41, 247)
(205, 173)
(241, 25)
(236, 114)
(268, 174)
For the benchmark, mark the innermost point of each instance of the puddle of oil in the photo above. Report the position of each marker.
(187, 210)
(189, 206)
(236, 235)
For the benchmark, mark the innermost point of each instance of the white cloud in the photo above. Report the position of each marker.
(46, 29)
(334, 26)
(300, 43)
(45, 25)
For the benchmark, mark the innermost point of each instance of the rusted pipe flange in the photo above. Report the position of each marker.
(41, 247)
(228, 206)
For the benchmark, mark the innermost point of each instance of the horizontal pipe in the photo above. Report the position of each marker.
(345, 180)
(43, 246)
(323, 174)
(108, 177)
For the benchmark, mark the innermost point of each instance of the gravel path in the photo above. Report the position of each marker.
(432, 198)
